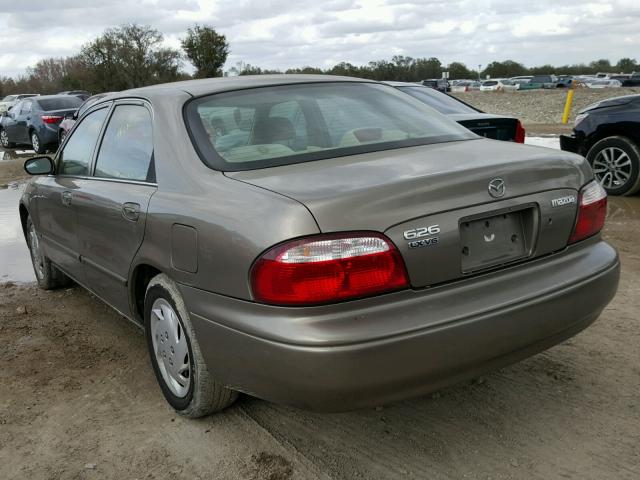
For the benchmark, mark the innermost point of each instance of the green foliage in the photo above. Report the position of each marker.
(207, 50)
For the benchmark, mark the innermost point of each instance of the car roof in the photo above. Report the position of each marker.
(208, 86)
(47, 97)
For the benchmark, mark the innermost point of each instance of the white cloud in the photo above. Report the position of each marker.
(285, 33)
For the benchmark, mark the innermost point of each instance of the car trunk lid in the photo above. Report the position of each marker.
(488, 126)
(444, 185)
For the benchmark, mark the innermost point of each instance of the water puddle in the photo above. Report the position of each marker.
(15, 262)
(14, 154)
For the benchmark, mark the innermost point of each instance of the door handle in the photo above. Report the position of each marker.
(66, 198)
(131, 211)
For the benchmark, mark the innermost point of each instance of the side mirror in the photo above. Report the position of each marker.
(39, 166)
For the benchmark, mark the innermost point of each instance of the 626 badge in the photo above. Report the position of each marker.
(417, 236)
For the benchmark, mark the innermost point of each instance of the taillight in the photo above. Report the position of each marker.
(520, 132)
(328, 268)
(51, 118)
(592, 210)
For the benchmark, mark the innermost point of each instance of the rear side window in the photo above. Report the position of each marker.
(61, 103)
(127, 147)
(280, 125)
(75, 159)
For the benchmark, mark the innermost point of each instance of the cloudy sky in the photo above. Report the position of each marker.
(290, 33)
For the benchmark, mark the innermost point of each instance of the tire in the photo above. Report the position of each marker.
(47, 275)
(4, 139)
(36, 144)
(184, 380)
(616, 165)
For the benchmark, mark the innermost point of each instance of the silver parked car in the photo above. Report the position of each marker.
(325, 242)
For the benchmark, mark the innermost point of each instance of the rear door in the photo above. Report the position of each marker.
(10, 123)
(22, 120)
(57, 195)
(112, 204)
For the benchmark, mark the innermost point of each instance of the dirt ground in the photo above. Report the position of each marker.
(78, 400)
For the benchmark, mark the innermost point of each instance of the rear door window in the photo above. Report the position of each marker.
(75, 158)
(127, 148)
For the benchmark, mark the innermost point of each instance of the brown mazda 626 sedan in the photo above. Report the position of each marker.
(325, 242)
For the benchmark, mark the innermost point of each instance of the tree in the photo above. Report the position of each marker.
(207, 50)
(428, 68)
(129, 56)
(601, 65)
(458, 71)
(505, 69)
(626, 65)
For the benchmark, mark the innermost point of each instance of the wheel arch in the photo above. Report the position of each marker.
(24, 215)
(629, 130)
(141, 275)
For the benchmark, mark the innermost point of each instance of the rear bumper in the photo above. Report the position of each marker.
(374, 351)
(48, 134)
(569, 143)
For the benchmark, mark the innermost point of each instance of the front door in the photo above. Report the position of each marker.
(57, 196)
(112, 206)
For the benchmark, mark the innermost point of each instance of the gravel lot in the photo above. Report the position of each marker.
(79, 401)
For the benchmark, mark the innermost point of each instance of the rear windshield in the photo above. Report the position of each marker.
(61, 103)
(269, 126)
(440, 101)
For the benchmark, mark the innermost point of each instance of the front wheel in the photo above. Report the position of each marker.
(47, 275)
(36, 144)
(176, 356)
(616, 165)
(4, 139)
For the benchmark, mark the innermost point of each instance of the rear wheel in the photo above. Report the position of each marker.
(176, 356)
(4, 139)
(616, 165)
(47, 275)
(36, 143)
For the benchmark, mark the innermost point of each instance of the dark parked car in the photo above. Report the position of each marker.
(565, 81)
(81, 94)
(34, 121)
(440, 84)
(325, 242)
(497, 127)
(632, 80)
(70, 119)
(608, 134)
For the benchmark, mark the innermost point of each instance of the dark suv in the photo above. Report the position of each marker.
(439, 84)
(34, 121)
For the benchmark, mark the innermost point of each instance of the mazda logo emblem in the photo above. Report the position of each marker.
(497, 188)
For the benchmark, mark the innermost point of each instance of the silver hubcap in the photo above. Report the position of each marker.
(612, 167)
(170, 347)
(36, 257)
(4, 139)
(34, 142)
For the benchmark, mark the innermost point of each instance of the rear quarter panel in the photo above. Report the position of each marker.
(234, 221)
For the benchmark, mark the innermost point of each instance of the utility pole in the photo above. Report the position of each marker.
(479, 67)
